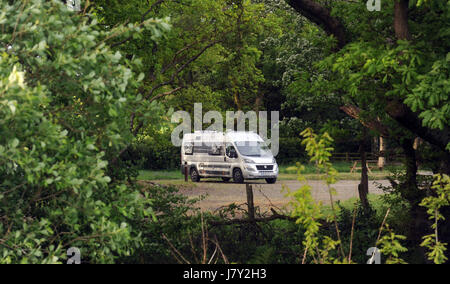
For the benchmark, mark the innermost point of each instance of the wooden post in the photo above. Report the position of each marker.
(417, 143)
(186, 174)
(381, 158)
(250, 202)
(354, 167)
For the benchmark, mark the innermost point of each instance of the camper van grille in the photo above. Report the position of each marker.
(265, 168)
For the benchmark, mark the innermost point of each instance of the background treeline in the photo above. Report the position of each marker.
(165, 156)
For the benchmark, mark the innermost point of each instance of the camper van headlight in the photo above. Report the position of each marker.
(249, 161)
(250, 169)
(274, 161)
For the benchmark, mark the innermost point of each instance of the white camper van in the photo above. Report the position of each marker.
(232, 155)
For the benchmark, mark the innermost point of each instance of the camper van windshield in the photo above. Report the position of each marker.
(253, 149)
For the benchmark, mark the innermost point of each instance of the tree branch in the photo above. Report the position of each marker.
(165, 94)
(150, 97)
(142, 21)
(321, 16)
(275, 216)
(374, 124)
(411, 121)
(178, 71)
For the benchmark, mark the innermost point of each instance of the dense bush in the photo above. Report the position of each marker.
(291, 151)
(154, 156)
(176, 218)
(63, 96)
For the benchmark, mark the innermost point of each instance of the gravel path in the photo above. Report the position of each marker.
(265, 196)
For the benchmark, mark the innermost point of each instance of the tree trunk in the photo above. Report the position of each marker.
(410, 191)
(363, 187)
(401, 26)
(410, 183)
(253, 226)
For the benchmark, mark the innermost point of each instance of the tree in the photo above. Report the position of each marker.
(371, 55)
(211, 54)
(398, 77)
(63, 93)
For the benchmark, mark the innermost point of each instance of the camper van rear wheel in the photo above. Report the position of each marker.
(195, 177)
(237, 176)
(271, 180)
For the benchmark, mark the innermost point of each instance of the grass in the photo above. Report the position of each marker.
(160, 175)
(341, 167)
(287, 172)
(375, 201)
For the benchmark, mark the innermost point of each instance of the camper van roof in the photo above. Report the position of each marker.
(204, 136)
(243, 136)
(213, 136)
(219, 136)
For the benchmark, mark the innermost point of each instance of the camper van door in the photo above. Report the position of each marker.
(216, 157)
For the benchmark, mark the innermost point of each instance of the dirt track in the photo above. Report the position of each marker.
(265, 196)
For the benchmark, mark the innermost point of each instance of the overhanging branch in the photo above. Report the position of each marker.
(373, 124)
(321, 16)
(411, 121)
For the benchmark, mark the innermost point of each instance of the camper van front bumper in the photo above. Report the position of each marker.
(261, 171)
(261, 176)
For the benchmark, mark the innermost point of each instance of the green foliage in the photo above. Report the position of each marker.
(291, 151)
(175, 216)
(430, 97)
(68, 102)
(321, 247)
(63, 94)
(391, 247)
(154, 154)
(212, 51)
(400, 208)
(306, 210)
(275, 242)
(439, 200)
(319, 150)
(288, 65)
(373, 71)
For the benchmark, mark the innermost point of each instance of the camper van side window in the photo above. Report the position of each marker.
(216, 150)
(201, 148)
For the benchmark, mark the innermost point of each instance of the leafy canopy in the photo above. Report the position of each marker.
(63, 96)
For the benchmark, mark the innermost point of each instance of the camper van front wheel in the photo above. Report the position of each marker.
(195, 177)
(237, 176)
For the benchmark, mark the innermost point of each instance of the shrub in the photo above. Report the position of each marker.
(161, 155)
(63, 96)
(291, 151)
